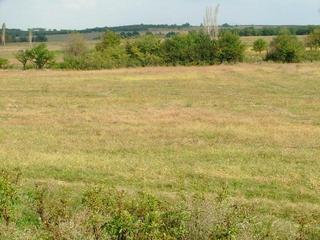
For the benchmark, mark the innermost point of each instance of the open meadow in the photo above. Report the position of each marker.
(253, 129)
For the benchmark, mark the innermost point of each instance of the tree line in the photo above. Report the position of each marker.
(193, 48)
(131, 31)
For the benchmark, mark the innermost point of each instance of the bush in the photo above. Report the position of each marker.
(75, 53)
(312, 56)
(8, 193)
(40, 56)
(4, 63)
(286, 48)
(231, 48)
(313, 40)
(260, 45)
(109, 40)
(109, 58)
(76, 46)
(145, 51)
(109, 53)
(55, 212)
(23, 57)
(191, 49)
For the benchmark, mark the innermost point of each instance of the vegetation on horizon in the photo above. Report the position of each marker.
(41, 35)
(193, 48)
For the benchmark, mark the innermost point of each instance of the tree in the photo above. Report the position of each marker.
(40, 56)
(260, 45)
(286, 48)
(76, 52)
(76, 45)
(23, 57)
(210, 22)
(231, 47)
(313, 40)
(109, 40)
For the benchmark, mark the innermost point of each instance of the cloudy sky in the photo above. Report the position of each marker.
(77, 14)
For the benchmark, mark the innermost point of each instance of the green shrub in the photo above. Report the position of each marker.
(75, 62)
(260, 45)
(231, 48)
(285, 48)
(193, 48)
(40, 56)
(313, 40)
(145, 51)
(109, 40)
(8, 193)
(4, 63)
(312, 56)
(98, 213)
(23, 57)
(116, 215)
(76, 53)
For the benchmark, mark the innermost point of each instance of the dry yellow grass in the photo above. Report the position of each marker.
(170, 130)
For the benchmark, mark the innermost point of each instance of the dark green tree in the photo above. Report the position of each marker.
(286, 48)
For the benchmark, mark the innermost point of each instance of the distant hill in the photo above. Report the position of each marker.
(41, 34)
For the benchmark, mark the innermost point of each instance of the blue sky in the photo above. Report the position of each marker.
(77, 14)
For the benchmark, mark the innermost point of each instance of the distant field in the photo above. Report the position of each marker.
(250, 40)
(11, 49)
(167, 131)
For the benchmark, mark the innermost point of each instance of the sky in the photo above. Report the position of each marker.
(79, 14)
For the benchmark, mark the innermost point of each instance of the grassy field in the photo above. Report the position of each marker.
(254, 128)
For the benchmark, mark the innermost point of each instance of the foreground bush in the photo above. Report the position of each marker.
(286, 48)
(48, 212)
